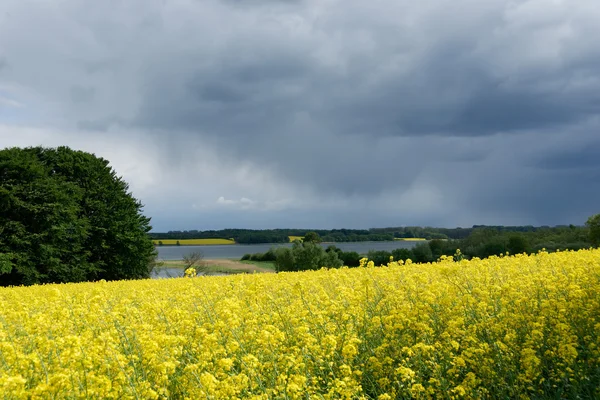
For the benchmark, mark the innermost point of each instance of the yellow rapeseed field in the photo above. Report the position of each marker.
(194, 242)
(292, 238)
(513, 327)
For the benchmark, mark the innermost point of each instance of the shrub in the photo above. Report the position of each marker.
(350, 258)
(422, 253)
(402, 254)
(379, 257)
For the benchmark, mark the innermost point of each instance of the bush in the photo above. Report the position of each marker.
(350, 258)
(495, 247)
(517, 244)
(422, 253)
(269, 256)
(379, 257)
(285, 260)
(333, 248)
(593, 226)
(402, 254)
(305, 256)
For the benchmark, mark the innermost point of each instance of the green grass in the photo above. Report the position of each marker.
(263, 264)
(210, 269)
(213, 268)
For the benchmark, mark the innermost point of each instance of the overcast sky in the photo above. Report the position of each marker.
(317, 113)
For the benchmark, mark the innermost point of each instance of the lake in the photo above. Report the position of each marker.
(236, 251)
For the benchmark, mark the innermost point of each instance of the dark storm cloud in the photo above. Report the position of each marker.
(452, 90)
(580, 159)
(470, 113)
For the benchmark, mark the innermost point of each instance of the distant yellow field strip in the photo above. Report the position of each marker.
(193, 242)
(293, 238)
(410, 239)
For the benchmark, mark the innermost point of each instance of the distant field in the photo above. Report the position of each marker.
(292, 238)
(410, 239)
(193, 242)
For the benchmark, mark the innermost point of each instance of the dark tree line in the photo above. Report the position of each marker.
(250, 236)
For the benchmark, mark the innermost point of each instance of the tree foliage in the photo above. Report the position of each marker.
(65, 216)
(311, 237)
(593, 224)
(305, 256)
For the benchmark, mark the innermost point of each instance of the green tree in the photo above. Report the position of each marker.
(311, 237)
(422, 253)
(517, 244)
(308, 256)
(350, 258)
(379, 257)
(285, 260)
(401, 254)
(305, 256)
(593, 225)
(65, 216)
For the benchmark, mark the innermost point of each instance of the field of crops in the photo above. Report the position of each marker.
(514, 327)
(193, 242)
(293, 238)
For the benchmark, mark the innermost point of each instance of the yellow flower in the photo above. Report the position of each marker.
(515, 326)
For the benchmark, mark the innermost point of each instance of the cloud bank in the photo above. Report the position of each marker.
(306, 113)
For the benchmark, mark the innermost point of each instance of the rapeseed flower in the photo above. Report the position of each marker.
(505, 327)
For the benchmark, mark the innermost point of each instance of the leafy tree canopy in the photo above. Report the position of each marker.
(65, 216)
(305, 256)
(311, 237)
(593, 224)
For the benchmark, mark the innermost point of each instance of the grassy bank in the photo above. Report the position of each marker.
(224, 266)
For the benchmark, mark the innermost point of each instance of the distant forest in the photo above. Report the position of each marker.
(250, 236)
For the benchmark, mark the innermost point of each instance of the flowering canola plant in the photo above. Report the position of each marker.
(510, 327)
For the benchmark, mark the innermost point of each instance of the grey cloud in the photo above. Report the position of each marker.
(99, 125)
(357, 101)
(81, 94)
(219, 93)
(583, 159)
(270, 3)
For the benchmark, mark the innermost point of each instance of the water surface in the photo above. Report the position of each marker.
(236, 251)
